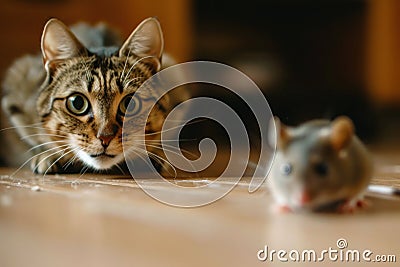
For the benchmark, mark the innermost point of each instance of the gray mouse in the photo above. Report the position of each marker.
(319, 165)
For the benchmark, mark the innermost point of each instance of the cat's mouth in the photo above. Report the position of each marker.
(100, 161)
(104, 154)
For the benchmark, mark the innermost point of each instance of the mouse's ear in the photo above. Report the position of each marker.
(342, 131)
(282, 132)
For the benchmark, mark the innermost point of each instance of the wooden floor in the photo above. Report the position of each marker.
(100, 220)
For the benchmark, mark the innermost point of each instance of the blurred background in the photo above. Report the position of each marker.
(311, 58)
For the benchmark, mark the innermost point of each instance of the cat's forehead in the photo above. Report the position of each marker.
(101, 78)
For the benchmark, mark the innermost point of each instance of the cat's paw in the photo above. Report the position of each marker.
(47, 163)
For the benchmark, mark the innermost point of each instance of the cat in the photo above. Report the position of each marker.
(68, 104)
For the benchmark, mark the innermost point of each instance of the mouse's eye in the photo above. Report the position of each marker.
(286, 168)
(321, 169)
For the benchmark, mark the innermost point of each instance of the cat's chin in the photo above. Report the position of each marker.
(101, 161)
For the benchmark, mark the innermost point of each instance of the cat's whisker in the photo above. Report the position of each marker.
(74, 155)
(34, 126)
(48, 156)
(83, 171)
(44, 144)
(71, 160)
(43, 152)
(170, 149)
(158, 158)
(164, 140)
(165, 130)
(158, 144)
(59, 158)
(31, 126)
(42, 134)
(120, 169)
(176, 153)
(142, 153)
(36, 155)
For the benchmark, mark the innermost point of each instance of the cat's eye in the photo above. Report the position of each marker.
(78, 104)
(130, 105)
(286, 169)
(321, 169)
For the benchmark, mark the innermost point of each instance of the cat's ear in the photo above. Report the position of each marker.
(145, 41)
(59, 43)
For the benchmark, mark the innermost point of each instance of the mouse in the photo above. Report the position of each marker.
(320, 165)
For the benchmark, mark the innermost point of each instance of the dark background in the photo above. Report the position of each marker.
(311, 58)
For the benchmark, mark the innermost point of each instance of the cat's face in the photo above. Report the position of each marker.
(86, 100)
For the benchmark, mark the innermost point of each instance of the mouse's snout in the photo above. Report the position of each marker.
(304, 198)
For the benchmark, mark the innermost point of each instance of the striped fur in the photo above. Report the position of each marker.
(65, 141)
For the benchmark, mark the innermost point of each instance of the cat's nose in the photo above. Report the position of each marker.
(106, 134)
(105, 140)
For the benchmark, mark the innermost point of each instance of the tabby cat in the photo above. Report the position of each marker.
(69, 103)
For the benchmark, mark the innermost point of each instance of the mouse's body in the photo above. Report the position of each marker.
(319, 165)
